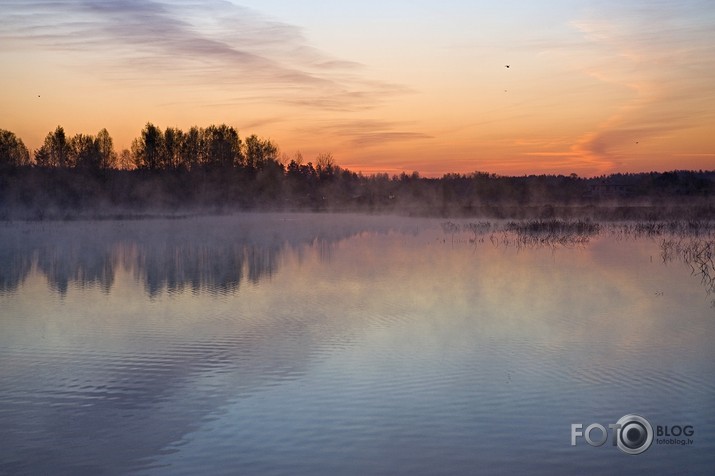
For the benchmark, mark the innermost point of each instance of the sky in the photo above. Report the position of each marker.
(592, 87)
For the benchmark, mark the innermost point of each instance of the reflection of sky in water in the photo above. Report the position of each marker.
(360, 346)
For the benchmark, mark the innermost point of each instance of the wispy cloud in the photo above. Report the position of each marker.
(381, 138)
(207, 43)
(368, 133)
(664, 58)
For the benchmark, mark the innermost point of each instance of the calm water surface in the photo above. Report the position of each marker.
(337, 344)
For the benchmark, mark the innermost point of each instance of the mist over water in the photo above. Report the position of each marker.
(346, 344)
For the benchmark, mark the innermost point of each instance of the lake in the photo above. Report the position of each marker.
(343, 344)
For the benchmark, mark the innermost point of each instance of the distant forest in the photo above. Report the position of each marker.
(214, 170)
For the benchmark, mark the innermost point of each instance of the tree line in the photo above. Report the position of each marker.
(214, 168)
(213, 147)
(154, 149)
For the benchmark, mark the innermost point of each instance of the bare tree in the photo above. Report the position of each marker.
(125, 161)
(325, 166)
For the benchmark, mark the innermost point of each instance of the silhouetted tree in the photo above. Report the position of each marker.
(55, 151)
(13, 152)
(303, 173)
(148, 149)
(125, 161)
(293, 168)
(259, 152)
(193, 148)
(223, 146)
(325, 166)
(105, 146)
(84, 151)
(173, 142)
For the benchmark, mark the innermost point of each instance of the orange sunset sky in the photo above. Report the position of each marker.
(593, 87)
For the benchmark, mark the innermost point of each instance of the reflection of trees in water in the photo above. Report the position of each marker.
(204, 254)
(199, 267)
(14, 269)
(63, 265)
(696, 253)
(163, 385)
(173, 267)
